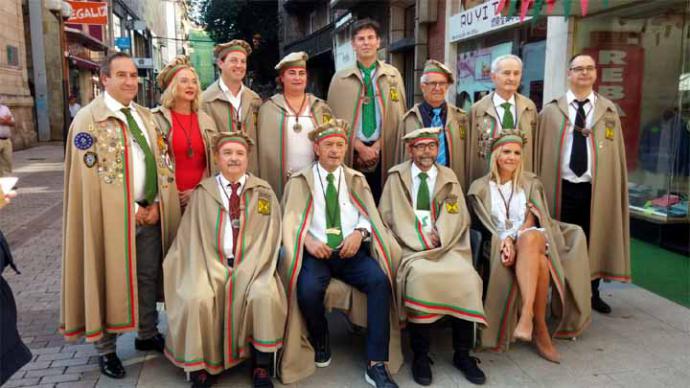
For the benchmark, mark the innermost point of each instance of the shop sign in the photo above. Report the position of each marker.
(620, 70)
(123, 42)
(88, 12)
(479, 20)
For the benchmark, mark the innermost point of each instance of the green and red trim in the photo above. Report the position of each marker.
(503, 321)
(377, 235)
(557, 191)
(297, 249)
(283, 125)
(420, 234)
(211, 366)
(132, 316)
(445, 309)
(355, 116)
(610, 276)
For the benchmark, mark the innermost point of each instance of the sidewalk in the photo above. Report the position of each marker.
(645, 342)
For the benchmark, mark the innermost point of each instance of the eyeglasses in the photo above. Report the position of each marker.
(582, 69)
(435, 85)
(425, 146)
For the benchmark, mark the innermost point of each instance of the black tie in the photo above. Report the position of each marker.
(578, 154)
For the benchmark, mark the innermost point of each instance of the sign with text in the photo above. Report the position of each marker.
(479, 20)
(89, 12)
(123, 42)
(620, 69)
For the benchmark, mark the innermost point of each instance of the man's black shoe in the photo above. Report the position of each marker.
(421, 369)
(468, 366)
(200, 379)
(157, 343)
(261, 378)
(599, 305)
(111, 366)
(378, 376)
(322, 352)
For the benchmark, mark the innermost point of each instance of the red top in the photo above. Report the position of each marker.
(189, 166)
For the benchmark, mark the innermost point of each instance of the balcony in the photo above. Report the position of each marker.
(316, 43)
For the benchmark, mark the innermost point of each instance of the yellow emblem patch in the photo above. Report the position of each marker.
(462, 133)
(395, 96)
(452, 207)
(264, 206)
(326, 117)
(609, 133)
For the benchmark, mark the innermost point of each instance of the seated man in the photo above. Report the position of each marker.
(423, 205)
(223, 297)
(330, 216)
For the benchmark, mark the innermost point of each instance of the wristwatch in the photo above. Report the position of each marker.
(364, 232)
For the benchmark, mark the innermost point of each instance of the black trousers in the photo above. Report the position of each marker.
(463, 335)
(576, 201)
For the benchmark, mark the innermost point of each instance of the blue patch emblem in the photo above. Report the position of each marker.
(83, 141)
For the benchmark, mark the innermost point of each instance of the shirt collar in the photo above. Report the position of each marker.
(498, 100)
(433, 171)
(226, 182)
(115, 105)
(571, 97)
(225, 89)
(323, 173)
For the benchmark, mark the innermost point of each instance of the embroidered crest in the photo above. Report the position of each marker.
(462, 133)
(394, 95)
(327, 117)
(264, 206)
(452, 204)
(83, 141)
(609, 133)
(90, 159)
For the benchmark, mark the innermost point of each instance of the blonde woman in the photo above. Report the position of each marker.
(186, 130)
(529, 253)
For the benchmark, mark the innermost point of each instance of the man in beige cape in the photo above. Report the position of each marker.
(338, 254)
(371, 97)
(423, 205)
(224, 299)
(120, 216)
(285, 121)
(581, 160)
(504, 108)
(434, 111)
(232, 105)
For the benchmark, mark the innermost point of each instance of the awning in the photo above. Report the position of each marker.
(87, 40)
(83, 63)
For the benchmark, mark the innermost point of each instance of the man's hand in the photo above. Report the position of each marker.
(7, 198)
(153, 214)
(140, 215)
(184, 197)
(317, 248)
(351, 245)
(507, 252)
(368, 155)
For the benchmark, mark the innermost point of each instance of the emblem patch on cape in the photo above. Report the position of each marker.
(264, 206)
(395, 96)
(90, 159)
(452, 206)
(83, 141)
(327, 117)
(609, 133)
(462, 133)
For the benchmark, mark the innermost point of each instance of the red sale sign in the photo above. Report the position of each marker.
(88, 12)
(619, 78)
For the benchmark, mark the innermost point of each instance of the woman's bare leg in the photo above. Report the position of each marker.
(530, 249)
(542, 338)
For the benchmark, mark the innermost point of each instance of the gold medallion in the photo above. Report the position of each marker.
(297, 127)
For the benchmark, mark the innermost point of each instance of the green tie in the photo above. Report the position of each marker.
(369, 107)
(333, 234)
(508, 120)
(423, 202)
(151, 186)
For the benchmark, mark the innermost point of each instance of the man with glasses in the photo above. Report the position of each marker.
(435, 112)
(231, 104)
(500, 110)
(580, 157)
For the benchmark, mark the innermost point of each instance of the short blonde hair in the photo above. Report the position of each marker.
(493, 166)
(168, 96)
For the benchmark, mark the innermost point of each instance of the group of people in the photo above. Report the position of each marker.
(251, 219)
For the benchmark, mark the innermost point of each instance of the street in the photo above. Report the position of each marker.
(645, 342)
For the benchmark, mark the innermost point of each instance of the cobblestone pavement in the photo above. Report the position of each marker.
(645, 342)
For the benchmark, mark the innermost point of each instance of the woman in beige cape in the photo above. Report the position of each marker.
(285, 121)
(217, 312)
(297, 360)
(179, 107)
(555, 250)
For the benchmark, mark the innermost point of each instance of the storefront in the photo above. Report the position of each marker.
(643, 58)
(86, 51)
(478, 36)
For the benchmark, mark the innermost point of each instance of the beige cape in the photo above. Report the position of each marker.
(485, 119)
(271, 143)
(432, 282)
(568, 266)
(345, 95)
(216, 104)
(215, 312)
(99, 272)
(609, 233)
(298, 355)
(456, 130)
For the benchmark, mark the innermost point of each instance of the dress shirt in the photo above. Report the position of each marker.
(377, 108)
(518, 208)
(498, 100)
(235, 101)
(566, 172)
(225, 193)
(424, 216)
(300, 150)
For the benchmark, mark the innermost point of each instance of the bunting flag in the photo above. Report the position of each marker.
(509, 7)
